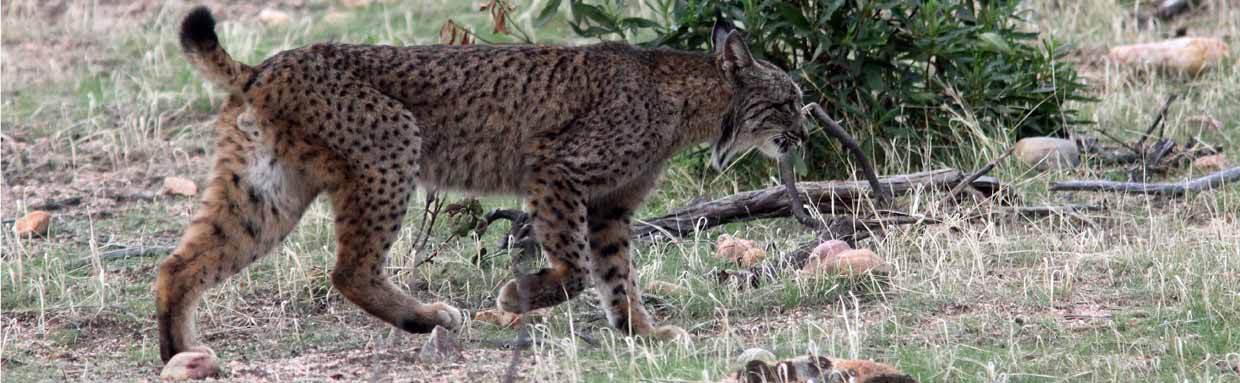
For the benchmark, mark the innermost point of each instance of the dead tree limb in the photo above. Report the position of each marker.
(128, 252)
(834, 129)
(967, 181)
(1158, 119)
(831, 196)
(788, 176)
(1211, 181)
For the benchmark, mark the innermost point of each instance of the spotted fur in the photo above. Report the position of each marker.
(580, 132)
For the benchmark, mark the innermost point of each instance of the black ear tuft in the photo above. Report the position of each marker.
(198, 31)
(720, 31)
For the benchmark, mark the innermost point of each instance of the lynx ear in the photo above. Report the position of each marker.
(734, 54)
(719, 32)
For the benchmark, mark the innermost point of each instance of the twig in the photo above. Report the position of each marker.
(129, 252)
(1171, 189)
(58, 204)
(787, 175)
(434, 203)
(951, 194)
(1158, 119)
(1045, 210)
(834, 129)
(1135, 151)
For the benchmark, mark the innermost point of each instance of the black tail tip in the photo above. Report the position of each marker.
(198, 31)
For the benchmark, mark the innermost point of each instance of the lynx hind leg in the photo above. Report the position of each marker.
(251, 202)
(367, 224)
(615, 277)
(559, 213)
(369, 205)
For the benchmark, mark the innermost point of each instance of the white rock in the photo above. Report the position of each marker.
(355, 3)
(273, 18)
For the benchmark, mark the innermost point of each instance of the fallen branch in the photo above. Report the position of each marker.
(1211, 181)
(967, 181)
(788, 176)
(128, 252)
(58, 204)
(834, 129)
(774, 202)
(1158, 119)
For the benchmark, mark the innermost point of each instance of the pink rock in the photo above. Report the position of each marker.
(850, 263)
(830, 249)
(34, 223)
(180, 186)
(1186, 54)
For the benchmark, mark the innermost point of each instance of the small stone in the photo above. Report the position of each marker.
(506, 319)
(180, 186)
(752, 256)
(665, 288)
(752, 354)
(1211, 163)
(191, 365)
(848, 263)
(273, 18)
(1189, 55)
(1047, 153)
(355, 3)
(336, 17)
(867, 371)
(731, 249)
(496, 317)
(440, 347)
(34, 223)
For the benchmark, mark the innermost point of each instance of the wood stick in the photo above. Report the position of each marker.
(128, 252)
(834, 129)
(58, 204)
(1157, 120)
(980, 172)
(1211, 181)
(774, 202)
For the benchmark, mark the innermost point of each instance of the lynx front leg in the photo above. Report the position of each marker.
(559, 214)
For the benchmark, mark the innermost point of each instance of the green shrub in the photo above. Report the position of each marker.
(947, 75)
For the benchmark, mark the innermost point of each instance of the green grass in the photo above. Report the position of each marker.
(1145, 291)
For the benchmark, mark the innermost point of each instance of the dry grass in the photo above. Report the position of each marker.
(98, 104)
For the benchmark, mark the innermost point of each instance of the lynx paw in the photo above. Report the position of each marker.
(509, 298)
(448, 316)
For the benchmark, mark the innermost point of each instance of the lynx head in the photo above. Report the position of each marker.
(766, 103)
